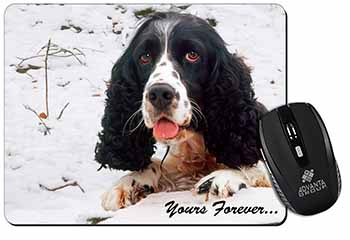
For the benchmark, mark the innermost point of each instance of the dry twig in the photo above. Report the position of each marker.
(93, 49)
(60, 115)
(46, 80)
(63, 84)
(74, 184)
(55, 51)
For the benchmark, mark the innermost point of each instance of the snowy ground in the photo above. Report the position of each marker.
(256, 32)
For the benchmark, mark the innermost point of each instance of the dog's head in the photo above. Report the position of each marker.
(174, 54)
(179, 74)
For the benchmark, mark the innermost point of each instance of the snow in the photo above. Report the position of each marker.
(245, 198)
(255, 31)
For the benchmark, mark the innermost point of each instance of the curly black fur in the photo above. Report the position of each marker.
(231, 111)
(118, 149)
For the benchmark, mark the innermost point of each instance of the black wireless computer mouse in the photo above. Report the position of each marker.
(300, 159)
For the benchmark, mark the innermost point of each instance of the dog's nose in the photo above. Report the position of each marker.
(161, 95)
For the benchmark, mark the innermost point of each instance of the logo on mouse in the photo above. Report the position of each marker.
(307, 175)
(310, 187)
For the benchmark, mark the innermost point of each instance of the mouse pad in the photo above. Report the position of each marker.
(140, 114)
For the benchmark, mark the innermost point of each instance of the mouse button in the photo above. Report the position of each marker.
(285, 114)
(278, 152)
(312, 138)
(281, 187)
(332, 164)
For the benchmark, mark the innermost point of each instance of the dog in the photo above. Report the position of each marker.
(177, 85)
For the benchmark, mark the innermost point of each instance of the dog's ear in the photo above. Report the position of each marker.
(118, 147)
(231, 112)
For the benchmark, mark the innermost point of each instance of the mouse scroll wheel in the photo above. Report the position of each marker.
(291, 131)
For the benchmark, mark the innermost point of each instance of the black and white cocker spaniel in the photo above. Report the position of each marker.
(177, 84)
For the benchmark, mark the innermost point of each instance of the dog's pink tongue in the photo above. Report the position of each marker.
(165, 129)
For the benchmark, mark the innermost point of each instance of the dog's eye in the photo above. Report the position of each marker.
(192, 56)
(145, 58)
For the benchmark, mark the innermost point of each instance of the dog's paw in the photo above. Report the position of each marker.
(221, 183)
(126, 192)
